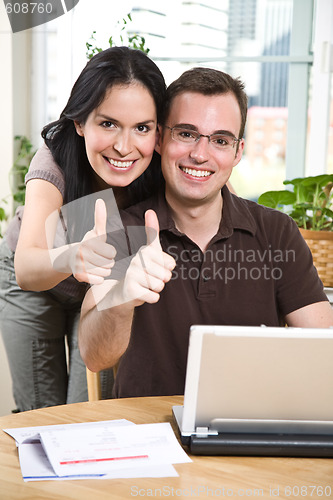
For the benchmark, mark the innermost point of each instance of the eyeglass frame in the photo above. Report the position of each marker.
(235, 139)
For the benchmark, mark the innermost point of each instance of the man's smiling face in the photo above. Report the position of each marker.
(195, 172)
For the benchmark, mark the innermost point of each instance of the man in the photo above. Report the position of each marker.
(218, 259)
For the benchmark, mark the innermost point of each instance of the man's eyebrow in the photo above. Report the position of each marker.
(224, 132)
(189, 126)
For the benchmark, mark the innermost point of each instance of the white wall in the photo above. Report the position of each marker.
(6, 142)
(6, 93)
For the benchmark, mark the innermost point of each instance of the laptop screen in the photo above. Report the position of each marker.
(238, 376)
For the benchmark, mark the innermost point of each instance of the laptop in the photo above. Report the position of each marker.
(262, 391)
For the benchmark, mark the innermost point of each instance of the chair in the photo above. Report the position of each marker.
(94, 385)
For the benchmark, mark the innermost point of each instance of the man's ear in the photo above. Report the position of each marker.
(239, 153)
(78, 128)
(158, 139)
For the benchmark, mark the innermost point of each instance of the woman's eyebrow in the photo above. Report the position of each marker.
(114, 120)
(105, 117)
(145, 122)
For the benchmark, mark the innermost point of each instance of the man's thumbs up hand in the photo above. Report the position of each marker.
(150, 269)
(152, 227)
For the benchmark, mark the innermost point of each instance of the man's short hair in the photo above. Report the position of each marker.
(208, 81)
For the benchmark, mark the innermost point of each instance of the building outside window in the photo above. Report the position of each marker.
(269, 44)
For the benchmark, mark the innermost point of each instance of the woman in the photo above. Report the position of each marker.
(105, 137)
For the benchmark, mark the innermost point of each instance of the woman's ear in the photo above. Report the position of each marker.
(78, 128)
(158, 139)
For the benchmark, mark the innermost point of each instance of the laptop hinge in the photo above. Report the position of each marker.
(204, 432)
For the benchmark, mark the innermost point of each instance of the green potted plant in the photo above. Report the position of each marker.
(309, 203)
(17, 174)
(135, 41)
(20, 168)
(3, 215)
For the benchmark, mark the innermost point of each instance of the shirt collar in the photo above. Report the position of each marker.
(162, 209)
(236, 214)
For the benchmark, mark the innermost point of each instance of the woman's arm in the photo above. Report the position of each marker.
(33, 264)
(40, 267)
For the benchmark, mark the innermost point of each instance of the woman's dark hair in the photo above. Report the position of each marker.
(114, 66)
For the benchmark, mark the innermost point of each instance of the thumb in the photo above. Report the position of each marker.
(152, 229)
(100, 217)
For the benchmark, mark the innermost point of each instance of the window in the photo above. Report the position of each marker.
(268, 43)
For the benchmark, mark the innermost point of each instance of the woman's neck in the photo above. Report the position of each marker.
(120, 193)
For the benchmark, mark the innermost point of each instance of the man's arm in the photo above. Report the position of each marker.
(317, 315)
(104, 332)
(108, 309)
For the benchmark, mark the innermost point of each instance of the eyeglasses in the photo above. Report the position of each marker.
(187, 136)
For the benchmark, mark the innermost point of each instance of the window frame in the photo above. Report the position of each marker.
(305, 55)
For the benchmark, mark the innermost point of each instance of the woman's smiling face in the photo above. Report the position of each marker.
(120, 135)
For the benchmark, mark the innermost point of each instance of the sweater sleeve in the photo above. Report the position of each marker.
(43, 166)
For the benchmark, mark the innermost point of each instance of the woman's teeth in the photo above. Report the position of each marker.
(120, 164)
(196, 173)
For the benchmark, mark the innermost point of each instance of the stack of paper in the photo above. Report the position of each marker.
(108, 449)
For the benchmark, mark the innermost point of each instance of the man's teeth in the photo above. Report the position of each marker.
(196, 173)
(121, 164)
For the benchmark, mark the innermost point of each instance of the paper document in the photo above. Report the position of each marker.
(108, 449)
(34, 462)
(35, 466)
(31, 434)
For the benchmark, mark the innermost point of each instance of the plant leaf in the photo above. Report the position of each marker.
(318, 180)
(274, 199)
(3, 215)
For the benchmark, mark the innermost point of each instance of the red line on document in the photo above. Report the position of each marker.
(68, 462)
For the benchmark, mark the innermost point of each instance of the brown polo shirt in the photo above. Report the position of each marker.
(257, 269)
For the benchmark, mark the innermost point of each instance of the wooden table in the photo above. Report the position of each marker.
(205, 477)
